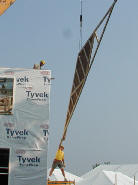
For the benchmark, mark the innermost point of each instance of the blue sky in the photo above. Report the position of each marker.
(104, 126)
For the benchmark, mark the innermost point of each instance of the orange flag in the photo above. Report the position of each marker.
(5, 4)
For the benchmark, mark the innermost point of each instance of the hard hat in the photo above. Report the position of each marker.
(43, 62)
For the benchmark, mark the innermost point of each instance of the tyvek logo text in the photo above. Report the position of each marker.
(22, 80)
(16, 134)
(28, 161)
(40, 96)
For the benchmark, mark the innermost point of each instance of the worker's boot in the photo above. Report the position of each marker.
(65, 179)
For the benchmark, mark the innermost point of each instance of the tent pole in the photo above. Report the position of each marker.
(134, 180)
(115, 179)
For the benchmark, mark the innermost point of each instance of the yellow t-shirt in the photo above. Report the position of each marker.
(59, 155)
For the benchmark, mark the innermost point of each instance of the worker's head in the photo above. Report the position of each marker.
(62, 147)
(42, 62)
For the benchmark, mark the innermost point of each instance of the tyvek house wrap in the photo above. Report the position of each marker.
(24, 123)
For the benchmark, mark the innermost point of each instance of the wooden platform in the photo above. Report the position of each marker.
(61, 182)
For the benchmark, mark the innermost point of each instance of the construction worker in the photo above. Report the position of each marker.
(39, 66)
(58, 161)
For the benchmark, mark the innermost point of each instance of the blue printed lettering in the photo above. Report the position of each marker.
(37, 95)
(28, 159)
(45, 132)
(12, 133)
(23, 79)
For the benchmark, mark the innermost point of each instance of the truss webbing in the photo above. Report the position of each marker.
(5, 4)
(85, 60)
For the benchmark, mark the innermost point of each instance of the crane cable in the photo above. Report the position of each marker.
(80, 42)
(80, 46)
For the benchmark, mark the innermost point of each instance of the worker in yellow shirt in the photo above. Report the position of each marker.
(40, 65)
(58, 161)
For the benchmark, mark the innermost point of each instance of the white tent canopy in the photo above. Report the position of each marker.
(119, 179)
(111, 175)
(108, 178)
(57, 176)
(130, 170)
(103, 175)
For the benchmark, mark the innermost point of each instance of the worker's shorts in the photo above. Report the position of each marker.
(57, 163)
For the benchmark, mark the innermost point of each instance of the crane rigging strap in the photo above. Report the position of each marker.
(5, 4)
(85, 60)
